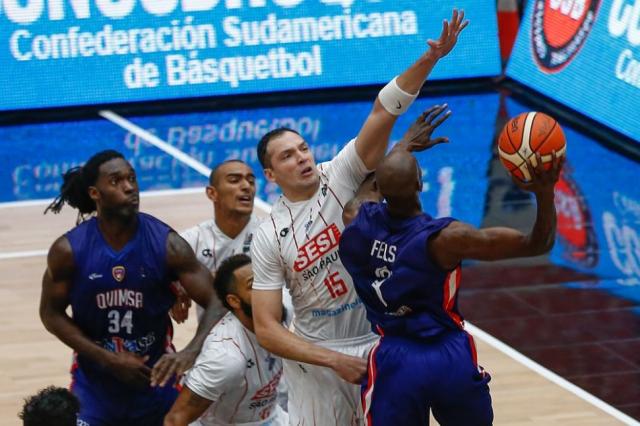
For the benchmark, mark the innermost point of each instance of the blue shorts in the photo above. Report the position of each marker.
(112, 404)
(406, 378)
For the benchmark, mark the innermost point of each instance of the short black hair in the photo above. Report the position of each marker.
(214, 171)
(224, 281)
(76, 183)
(51, 406)
(264, 141)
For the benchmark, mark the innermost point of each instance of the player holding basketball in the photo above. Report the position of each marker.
(234, 380)
(297, 247)
(115, 270)
(406, 267)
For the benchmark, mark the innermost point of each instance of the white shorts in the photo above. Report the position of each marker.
(318, 396)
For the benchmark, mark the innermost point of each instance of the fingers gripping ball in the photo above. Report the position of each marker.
(526, 134)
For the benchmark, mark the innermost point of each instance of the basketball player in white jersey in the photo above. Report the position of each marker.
(234, 380)
(297, 248)
(232, 190)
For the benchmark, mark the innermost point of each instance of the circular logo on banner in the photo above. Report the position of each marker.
(559, 29)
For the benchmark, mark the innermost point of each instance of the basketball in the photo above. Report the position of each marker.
(526, 134)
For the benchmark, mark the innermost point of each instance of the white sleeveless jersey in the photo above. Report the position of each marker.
(239, 377)
(297, 247)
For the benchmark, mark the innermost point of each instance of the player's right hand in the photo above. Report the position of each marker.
(542, 181)
(350, 368)
(418, 136)
(130, 368)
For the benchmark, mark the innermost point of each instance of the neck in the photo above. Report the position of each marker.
(117, 231)
(301, 195)
(231, 223)
(404, 211)
(246, 321)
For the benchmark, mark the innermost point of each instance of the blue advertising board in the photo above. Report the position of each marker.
(598, 205)
(455, 174)
(78, 52)
(584, 54)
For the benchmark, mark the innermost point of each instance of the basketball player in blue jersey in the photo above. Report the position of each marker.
(406, 267)
(115, 270)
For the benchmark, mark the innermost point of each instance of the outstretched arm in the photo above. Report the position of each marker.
(416, 139)
(461, 241)
(397, 96)
(198, 283)
(267, 320)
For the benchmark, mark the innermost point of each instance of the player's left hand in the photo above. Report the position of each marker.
(449, 36)
(418, 137)
(172, 364)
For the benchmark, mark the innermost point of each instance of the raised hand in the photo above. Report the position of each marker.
(541, 180)
(418, 136)
(449, 35)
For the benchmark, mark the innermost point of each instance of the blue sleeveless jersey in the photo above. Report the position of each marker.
(121, 299)
(404, 291)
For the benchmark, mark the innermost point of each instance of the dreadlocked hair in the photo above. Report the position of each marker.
(76, 183)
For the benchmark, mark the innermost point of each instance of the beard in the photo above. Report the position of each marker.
(246, 308)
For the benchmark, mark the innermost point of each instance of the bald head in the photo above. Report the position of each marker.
(398, 177)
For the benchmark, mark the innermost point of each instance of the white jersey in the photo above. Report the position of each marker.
(238, 376)
(212, 246)
(297, 247)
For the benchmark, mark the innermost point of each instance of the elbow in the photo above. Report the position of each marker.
(543, 247)
(173, 419)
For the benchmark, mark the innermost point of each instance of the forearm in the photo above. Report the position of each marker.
(280, 341)
(210, 317)
(61, 326)
(412, 79)
(542, 236)
(177, 419)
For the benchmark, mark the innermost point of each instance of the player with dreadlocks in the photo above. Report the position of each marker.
(115, 269)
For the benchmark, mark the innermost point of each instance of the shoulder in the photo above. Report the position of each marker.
(203, 228)
(60, 256)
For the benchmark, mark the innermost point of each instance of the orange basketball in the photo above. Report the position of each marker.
(526, 134)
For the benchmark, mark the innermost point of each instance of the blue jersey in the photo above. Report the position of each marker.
(121, 299)
(404, 291)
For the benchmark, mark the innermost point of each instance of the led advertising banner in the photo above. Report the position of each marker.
(584, 54)
(598, 205)
(455, 182)
(78, 52)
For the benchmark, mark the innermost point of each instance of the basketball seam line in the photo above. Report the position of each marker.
(516, 150)
(548, 134)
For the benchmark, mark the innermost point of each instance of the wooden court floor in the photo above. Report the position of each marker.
(31, 359)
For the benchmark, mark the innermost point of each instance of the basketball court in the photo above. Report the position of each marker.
(178, 92)
(558, 342)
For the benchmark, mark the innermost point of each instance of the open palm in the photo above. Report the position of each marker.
(449, 35)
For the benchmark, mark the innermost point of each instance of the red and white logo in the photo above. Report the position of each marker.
(118, 273)
(269, 389)
(559, 29)
(314, 249)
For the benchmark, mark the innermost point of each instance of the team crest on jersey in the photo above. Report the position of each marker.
(118, 273)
